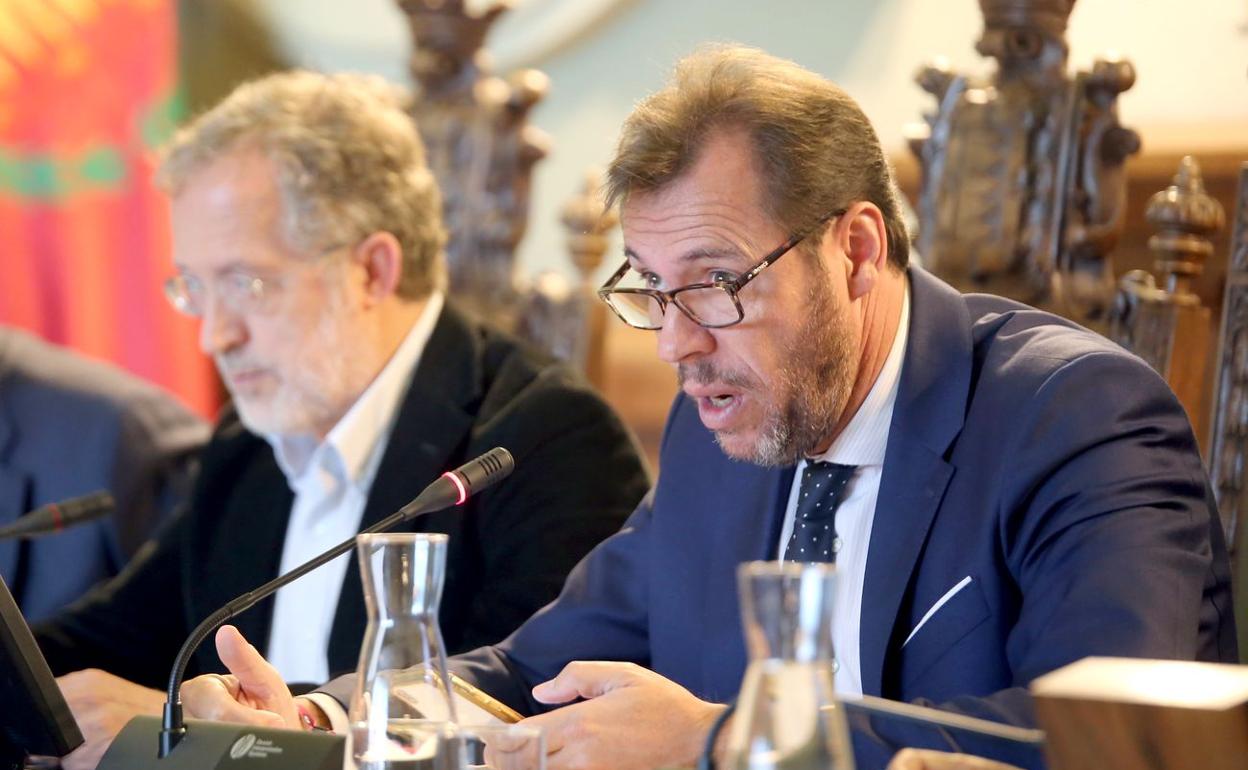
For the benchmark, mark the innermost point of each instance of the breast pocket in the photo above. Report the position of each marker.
(958, 612)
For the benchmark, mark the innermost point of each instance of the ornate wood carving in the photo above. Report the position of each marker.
(1166, 324)
(566, 317)
(1023, 188)
(480, 145)
(482, 150)
(1230, 420)
(588, 222)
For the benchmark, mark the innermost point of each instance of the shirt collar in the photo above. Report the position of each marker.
(865, 438)
(352, 448)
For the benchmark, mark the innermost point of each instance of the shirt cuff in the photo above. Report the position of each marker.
(333, 710)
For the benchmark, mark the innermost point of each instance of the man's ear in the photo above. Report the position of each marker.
(381, 257)
(861, 234)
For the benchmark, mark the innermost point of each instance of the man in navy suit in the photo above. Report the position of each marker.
(1011, 492)
(69, 426)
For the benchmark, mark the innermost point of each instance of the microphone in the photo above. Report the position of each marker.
(452, 488)
(54, 517)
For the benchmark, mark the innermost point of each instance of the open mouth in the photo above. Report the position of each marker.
(720, 411)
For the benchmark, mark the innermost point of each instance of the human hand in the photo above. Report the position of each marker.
(102, 704)
(923, 759)
(252, 693)
(631, 719)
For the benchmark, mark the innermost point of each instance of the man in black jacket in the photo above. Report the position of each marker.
(307, 238)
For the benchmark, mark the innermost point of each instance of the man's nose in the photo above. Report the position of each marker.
(221, 329)
(681, 337)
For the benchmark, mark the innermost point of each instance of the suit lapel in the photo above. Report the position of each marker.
(927, 417)
(14, 494)
(911, 488)
(247, 558)
(430, 433)
(231, 543)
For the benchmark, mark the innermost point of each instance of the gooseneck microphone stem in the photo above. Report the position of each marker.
(452, 488)
(174, 727)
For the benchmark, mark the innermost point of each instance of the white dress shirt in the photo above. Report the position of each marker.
(861, 444)
(331, 480)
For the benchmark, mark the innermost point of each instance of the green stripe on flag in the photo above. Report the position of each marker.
(161, 119)
(45, 177)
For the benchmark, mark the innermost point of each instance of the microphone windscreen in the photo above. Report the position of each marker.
(53, 517)
(490, 468)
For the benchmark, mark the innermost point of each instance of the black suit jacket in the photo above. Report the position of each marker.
(577, 477)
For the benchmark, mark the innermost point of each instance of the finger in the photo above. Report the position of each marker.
(567, 758)
(225, 710)
(906, 759)
(254, 674)
(210, 697)
(229, 683)
(926, 759)
(244, 660)
(510, 752)
(585, 679)
(554, 726)
(968, 762)
(88, 681)
(85, 757)
(257, 678)
(203, 697)
(199, 691)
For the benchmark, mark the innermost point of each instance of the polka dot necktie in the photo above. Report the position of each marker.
(814, 526)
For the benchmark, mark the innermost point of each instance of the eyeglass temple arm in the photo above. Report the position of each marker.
(614, 279)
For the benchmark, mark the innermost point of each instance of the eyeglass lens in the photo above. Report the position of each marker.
(708, 306)
(240, 292)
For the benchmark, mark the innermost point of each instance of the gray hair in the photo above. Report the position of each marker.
(814, 147)
(349, 163)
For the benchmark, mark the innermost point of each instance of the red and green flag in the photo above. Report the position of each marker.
(88, 89)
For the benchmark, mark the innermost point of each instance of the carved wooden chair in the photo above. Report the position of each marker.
(1160, 318)
(1230, 416)
(1022, 188)
(1023, 193)
(482, 150)
(1164, 321)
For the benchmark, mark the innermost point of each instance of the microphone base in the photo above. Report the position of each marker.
(210, 745)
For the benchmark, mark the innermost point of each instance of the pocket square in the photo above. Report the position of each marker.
(963, 583)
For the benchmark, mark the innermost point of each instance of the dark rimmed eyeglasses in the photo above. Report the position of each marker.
(711, 305)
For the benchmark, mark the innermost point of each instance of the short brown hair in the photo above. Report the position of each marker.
(349, 163)
(815, 148)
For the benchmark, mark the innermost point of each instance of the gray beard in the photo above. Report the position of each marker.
(816, 380)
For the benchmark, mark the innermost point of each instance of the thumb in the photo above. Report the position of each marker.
(906, 759)
(267, 719)
(256, 676)
(584, 679)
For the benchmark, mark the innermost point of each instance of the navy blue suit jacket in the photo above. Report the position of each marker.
(69, 426)
(1055, 470)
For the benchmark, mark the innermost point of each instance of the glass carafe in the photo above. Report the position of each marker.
(788, 717)
(402, 677)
